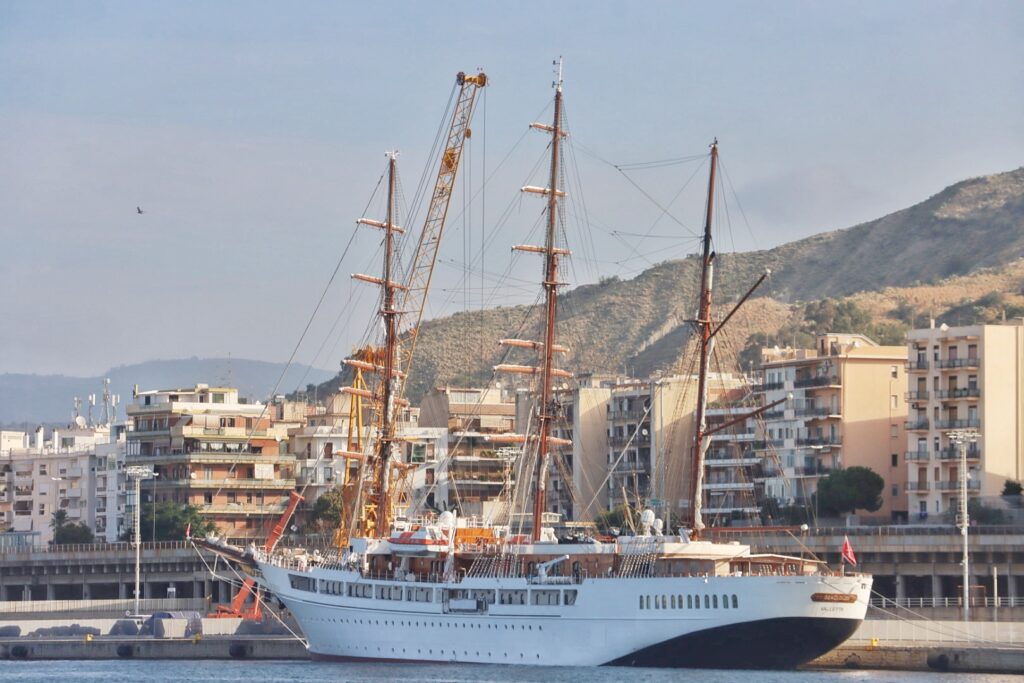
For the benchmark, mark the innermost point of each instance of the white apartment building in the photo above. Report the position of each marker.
(80, 471)
(963, 378)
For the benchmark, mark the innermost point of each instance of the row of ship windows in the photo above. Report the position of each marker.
(434, 624)
(418, 594)
(691, 601)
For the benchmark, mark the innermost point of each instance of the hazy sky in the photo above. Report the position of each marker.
(253, 134)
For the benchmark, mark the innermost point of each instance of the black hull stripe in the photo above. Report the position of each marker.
(783, 643)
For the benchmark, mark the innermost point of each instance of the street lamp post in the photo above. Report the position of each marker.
(961, 438)
(137, 474)
(55, 485)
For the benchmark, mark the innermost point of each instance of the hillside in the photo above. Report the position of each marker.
(48, 398)
(963, 244)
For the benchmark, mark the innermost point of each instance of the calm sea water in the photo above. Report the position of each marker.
(290, 672)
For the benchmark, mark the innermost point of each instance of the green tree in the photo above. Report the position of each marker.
(65, 531)
(328, 507)
(829, 315)
(609, 519)
(171, 521)
(1011, 488)
(849, 490)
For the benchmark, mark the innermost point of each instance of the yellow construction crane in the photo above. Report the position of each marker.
(370, 500)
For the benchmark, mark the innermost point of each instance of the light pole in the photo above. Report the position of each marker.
(962, 437)
(137, 474)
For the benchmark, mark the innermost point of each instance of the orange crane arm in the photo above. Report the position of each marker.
(421, 271)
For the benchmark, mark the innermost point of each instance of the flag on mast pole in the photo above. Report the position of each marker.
(847, 552)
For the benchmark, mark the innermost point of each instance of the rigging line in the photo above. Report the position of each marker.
(431, 163)
(611, 469)
(736, 197)
(295, 350)
(483, 217)
(502, 359)
(665, 210)
(255, 593)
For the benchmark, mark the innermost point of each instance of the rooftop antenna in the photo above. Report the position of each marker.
(109, 403)
(78, 407)
(92, 404)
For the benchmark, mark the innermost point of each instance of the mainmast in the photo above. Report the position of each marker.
(547, 407)
(704, 329)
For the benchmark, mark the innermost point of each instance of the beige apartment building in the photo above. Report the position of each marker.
(210, 449)
(963, 378)
(847, 409)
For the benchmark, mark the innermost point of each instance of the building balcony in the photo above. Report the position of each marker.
(729, 486)
(822, 441)
(971, 423)
(769, 386)
(248, 509)
(766, 445)
(916, 395)
(917, 456)
(953, 363)
(916, 425)
(919, 486)
(634, 414)
(230, 483)
(623, 441)
(813, 382)
(490, 482)
(953, 453)
(916, 365)
(211, 457)
(773, 415)
(954, 486)
(812, 471)
(732, 462)
(953, 394)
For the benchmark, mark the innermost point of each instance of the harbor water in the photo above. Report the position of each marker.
(299, 671)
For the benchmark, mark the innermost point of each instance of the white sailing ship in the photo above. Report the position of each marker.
(456, 590)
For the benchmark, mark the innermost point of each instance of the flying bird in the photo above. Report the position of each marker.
(139, 209)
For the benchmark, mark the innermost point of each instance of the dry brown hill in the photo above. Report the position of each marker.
(957, 253)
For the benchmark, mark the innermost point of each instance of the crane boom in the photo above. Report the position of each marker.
(421, 270)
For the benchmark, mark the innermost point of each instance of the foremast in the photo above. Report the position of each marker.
(375, 510)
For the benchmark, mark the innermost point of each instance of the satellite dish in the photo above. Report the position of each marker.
(80, 421)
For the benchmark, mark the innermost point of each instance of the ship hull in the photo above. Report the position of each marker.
(732, 622)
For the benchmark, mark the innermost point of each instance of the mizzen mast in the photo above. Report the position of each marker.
(706, 341)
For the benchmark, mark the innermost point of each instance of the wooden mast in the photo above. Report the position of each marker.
(386, 440)
(546, 409)
(704, 328)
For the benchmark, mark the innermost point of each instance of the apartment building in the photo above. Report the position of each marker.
(480, 452)
(844, 406)
(79, 471)
(963, 378)
(211, 449)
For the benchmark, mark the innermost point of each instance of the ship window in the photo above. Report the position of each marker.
(647, 602)
(641, 602)
(664, 602)
(689, 602)
(715, 601)
(725, 602)
(673, 602)
(302, 583)
(707, 602)
(735, 602)
(680, 602)
(656, 603)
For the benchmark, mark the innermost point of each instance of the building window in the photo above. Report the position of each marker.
(894, 371)
(895, 459)
(895, 490)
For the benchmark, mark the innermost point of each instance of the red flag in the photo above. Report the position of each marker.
(847, 552)
(188, 532)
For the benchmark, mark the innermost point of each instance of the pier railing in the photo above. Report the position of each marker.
(920, 603)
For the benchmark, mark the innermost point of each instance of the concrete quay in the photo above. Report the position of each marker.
(209, 647)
